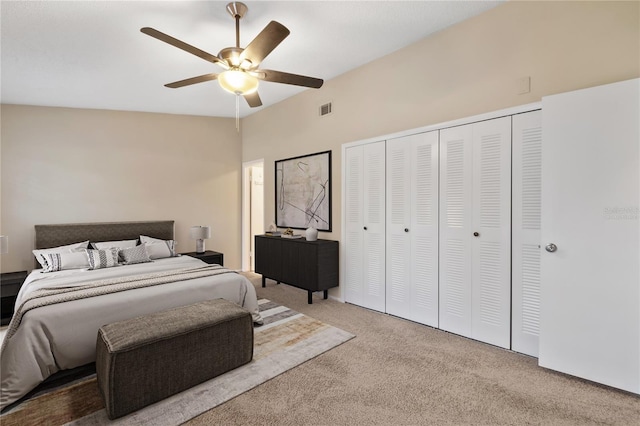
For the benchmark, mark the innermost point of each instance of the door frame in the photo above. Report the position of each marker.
(246, 210)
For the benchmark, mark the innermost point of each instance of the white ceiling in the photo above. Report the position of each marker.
(91, 54)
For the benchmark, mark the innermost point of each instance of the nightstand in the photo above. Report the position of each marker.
(10, 284)
(208, 256)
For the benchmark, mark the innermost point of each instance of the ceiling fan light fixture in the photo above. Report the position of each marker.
(238, 82)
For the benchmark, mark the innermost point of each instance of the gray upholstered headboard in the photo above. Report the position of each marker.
(48, 236)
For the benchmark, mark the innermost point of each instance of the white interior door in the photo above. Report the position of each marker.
(590, 286)
(525, 252)
(491, 230)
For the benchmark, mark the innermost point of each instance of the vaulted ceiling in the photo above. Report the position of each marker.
(91, 54)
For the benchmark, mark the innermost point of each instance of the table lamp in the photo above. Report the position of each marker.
(200, 233)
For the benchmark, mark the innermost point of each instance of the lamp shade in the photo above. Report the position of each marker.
(200, 232)
(238, 82)
(4, 244)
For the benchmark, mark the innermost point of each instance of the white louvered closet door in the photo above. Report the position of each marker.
(398, 288)
(374, 225)
(365, 225)
(455, 229)
(526, 204)
(412, 228)
(491, 230)
(354, 218)
(424, 229)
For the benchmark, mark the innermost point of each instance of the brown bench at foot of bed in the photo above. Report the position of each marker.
(146, 359)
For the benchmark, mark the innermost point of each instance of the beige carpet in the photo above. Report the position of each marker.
(396, 372)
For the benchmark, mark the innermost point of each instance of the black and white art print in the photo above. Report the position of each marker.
(303, 192)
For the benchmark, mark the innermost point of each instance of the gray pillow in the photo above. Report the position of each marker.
(137, 254)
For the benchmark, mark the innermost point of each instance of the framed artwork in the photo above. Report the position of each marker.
(303, 192)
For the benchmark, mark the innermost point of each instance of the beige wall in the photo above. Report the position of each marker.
(62, 165)
(467, 69)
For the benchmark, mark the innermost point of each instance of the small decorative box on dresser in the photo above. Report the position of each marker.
(309, 265)
(10, 284)
(208, 256)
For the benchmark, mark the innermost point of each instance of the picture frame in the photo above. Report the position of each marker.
(303, 192)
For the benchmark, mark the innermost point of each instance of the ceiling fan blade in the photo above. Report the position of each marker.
(182, 45)
(286, 78)
(193, 80)
(253, 99)
(264, 43)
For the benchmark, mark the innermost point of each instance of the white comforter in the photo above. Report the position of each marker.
(63, 336)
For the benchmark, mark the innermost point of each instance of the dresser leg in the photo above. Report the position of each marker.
(310, 297)
(263, 282)
(326, 294)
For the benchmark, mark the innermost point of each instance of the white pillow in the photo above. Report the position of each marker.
(158, 249)
(39, 254)
(137, 254)
(64, 261)
(117, 244)
(99, 259)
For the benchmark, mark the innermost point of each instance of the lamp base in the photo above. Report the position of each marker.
(199, 246)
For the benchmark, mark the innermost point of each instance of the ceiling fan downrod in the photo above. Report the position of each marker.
(237, 10)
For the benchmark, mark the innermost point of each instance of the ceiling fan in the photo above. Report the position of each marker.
(241, 74)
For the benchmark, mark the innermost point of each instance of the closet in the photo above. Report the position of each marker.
(428, 227)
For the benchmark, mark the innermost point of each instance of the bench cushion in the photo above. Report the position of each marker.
(143, 360)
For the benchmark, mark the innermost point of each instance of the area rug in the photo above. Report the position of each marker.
(286, 340)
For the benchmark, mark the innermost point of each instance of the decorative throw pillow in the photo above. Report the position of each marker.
(159, 249)
(39, 254)
(117, 244)
(64, 261)
(137, 254)
(102, 258)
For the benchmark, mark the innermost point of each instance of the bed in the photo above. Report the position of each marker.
(58, 313)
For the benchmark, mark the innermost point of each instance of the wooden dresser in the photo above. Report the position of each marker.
(309, 265)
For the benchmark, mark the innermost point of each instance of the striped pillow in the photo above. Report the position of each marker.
(99, 259)
(63, 261)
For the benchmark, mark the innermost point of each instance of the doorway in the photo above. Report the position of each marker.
(252, 209)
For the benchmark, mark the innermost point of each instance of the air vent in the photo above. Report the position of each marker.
(325, 109)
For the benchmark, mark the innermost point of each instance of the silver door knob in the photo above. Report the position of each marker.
(551, 247)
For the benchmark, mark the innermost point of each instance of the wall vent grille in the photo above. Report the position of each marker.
(325, 109)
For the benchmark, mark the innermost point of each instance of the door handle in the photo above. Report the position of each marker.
(551, 247)
(406, 229)
(476, 234)
(365, 228)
